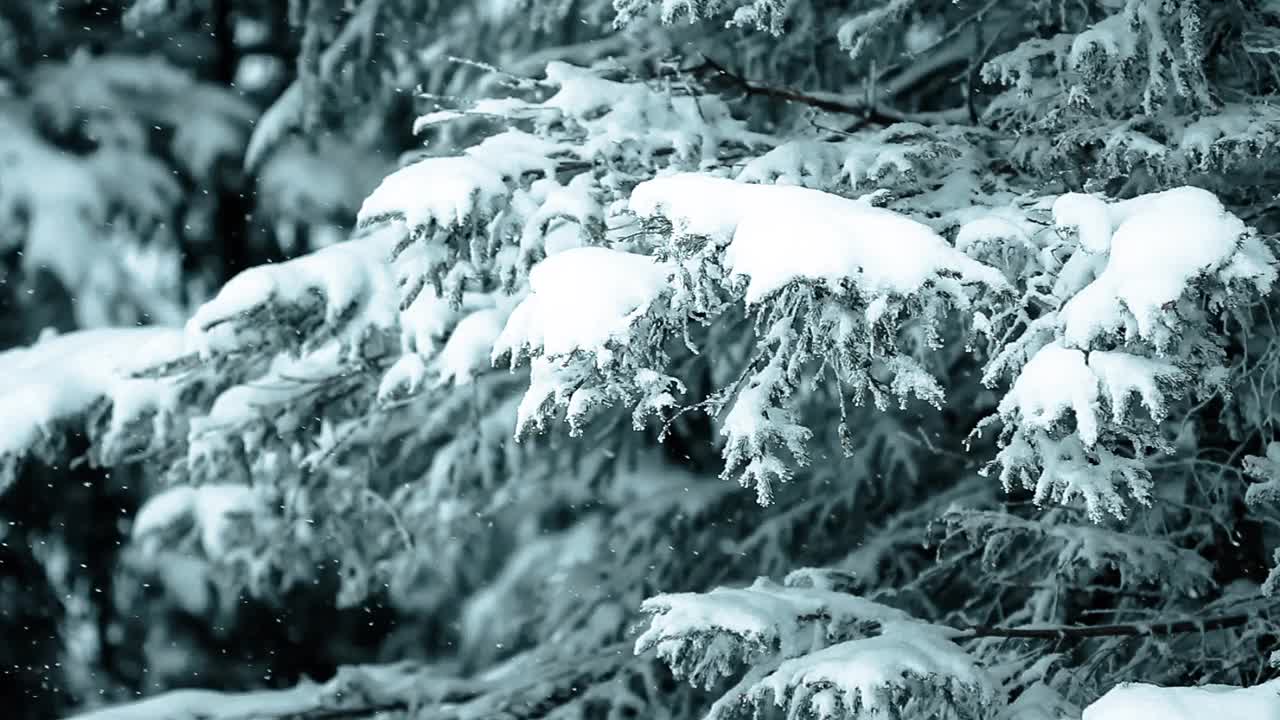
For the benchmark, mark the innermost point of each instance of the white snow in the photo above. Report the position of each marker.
(615, 114)
(807, 163)
(1112, 37)
(449, 191)
(1040, 702)
(310, 182)
(582, 299)
(213, 508)
(1058, 379)
(696, 204)
(62, 199)
(405, 377)
(352, 280)
(765, 613)
(1234, 125)
(1156, 246)
(993, 228)
(1088, 217)
(131, 94)
(426, 322)
(1055, 380)
(164, 509)
(470, 346)
(59, 378)
(1122, 374)
(188, 704)
(1139, 701)
(854, 674)
(777, 234)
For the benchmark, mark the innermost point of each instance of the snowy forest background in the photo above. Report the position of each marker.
(639, 359)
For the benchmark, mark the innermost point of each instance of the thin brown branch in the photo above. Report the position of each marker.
(1140, 629)
(760, 90)
(870, 113)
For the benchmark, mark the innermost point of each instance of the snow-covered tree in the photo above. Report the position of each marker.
(972, 297)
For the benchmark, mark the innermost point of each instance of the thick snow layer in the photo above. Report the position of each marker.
(212, 508)
(1058, 379)
(213, 705)
(807, 163)
(1156, 246)
(164, 510)
(871, 161)
(854, 674)
(452, 191)
(61, 377)
(470, 345)
(130, 93)
(1138, 701)
(990, 228)
(426, 321)
(62, 200)
(353, 688)
(1233, 127)
(765, 613)
(1055, 380)
(352, 279)
(1107, 43)
(582, 299)
(1040, 702)
(777, 234)
(615, 114)
(1088, 217)
(1123, 374)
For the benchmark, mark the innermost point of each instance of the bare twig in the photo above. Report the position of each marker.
(748, 87)
(1147, 629)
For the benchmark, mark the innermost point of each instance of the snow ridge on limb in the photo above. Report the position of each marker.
(744, 625)
(1140, 701)
(81, 380)
(483, 217)
(812, 649)
(593, 326)
(344, 290)
(503, 215)
(908, 669)
(1120, 301)
(776, 234)
(828, 278)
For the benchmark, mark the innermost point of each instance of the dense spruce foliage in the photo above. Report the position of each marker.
(699, 358)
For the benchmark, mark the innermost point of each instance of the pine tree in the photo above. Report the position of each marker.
(719, 358)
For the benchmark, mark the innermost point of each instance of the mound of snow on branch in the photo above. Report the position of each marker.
(350, 281)
(777, 234)
(765, 613)
(1156, 246)
(1139, 701)
(582, 299)
(870, 676)
(452, 191)
(1057, 379)
(61, 377)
